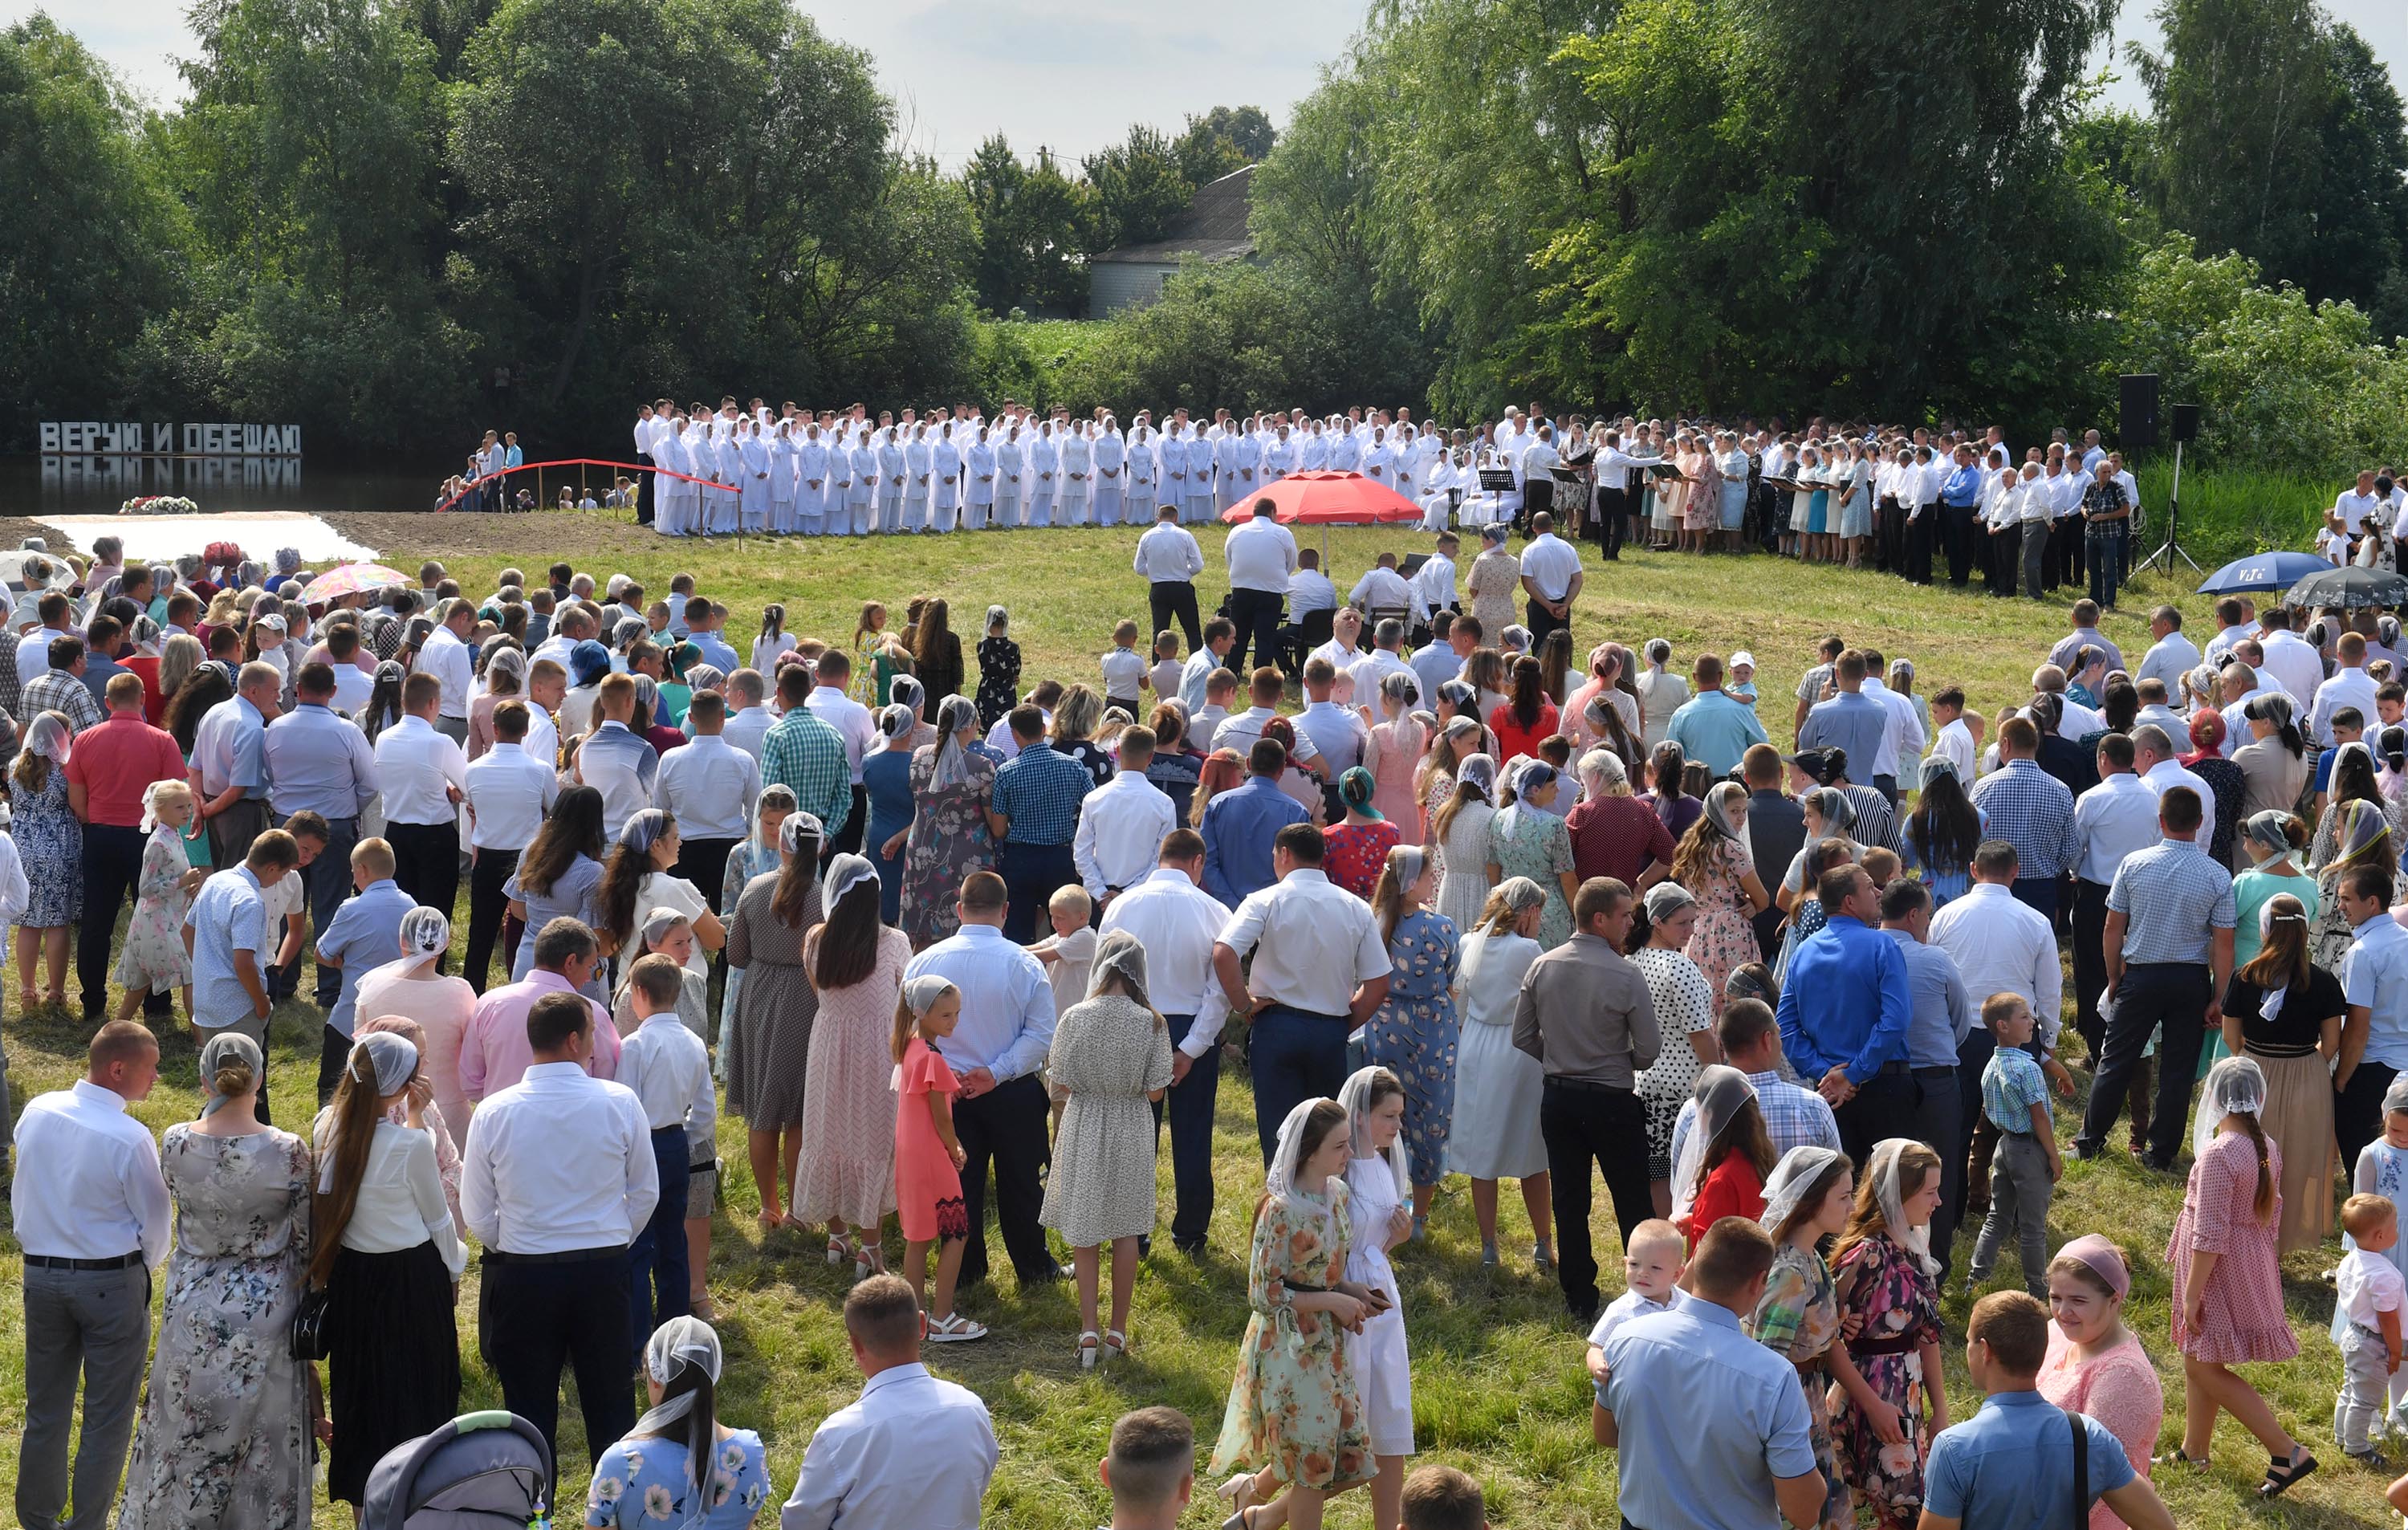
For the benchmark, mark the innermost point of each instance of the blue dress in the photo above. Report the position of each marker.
(644, 1483)
(50, 841)
(571, 895)
(1818, 510)
(886, 776)
(1414, 1035)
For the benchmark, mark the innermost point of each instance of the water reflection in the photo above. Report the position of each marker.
(32, 486)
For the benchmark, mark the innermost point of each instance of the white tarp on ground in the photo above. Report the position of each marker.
(158, 538)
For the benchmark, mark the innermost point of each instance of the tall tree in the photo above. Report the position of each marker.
(1031, 230)
(1138, 187)
(1221, 140)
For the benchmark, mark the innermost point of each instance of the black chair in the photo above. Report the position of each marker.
(1303, 638)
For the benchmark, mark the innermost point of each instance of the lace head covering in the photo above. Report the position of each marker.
(775, 797)
(2362, 824)
(798, 827)
(425, 935)
(955, 716)
(2235, 1087)
(845, 872)
(906, 691)
(676, 1345)
(1831, 805)
(896, 722)
(1720, 1093)
(1355, 1095)
(48, 736)
(1529, 777)
(1792, 1178)
(1119, 955)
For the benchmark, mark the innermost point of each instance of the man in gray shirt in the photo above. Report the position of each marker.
(1940, 1017)
(1585, 1015)
(1852, 722)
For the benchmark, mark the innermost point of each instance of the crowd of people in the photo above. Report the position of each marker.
(1477, 909)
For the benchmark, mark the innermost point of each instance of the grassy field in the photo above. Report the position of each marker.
(1498, 1388)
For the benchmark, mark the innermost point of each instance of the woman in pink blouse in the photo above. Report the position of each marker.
(2095, 1365)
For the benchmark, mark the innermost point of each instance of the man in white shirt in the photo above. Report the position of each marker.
(1434, 584)
(2352, 507)
(424, 777)
(92, 1215)
(1177, 921)
(1374, 667)
(2111, 820)
(1905, 738)
(708, 784)
(1239, 731)
(510, 793)
(446, 657)
(749, 719)
(1382, 587)
(2350, 686)
(1320, 969)
(2160, 769)
(1261, 555)
(556, 1179)
(912, 1451)
(2292, 660)
(1952, 736)
(1551, 579)
(1121, 823)
(2171, 654)
(1169, 560)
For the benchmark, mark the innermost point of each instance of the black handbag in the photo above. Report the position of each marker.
(309, 1337)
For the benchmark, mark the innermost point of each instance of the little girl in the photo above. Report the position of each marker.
(772, 641)
(1168, 670)
(1725, 1159)
(868, 638)
(670, 933)
(927, 1157)
(1808, 1200)
(154, 957)
(1377, 1180)
(998, 657)
(1885, 1274)
(2382, 1170)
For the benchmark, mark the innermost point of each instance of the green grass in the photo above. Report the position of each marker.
(1498, 1388)
(2231, 512)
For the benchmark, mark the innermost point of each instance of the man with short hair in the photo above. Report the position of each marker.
(1442, 1498)
(494, 1052)
(1122, 824)
(1238, 825)
(1712, 1426)
(1585, 1014)
(1940, 1017)
(2171, 654)
(2374, 1047)
(229, 940)
(109, 772)
(1843, 1013)
(1852, 722)
(748, 719)
(1320, 969)
(2085, 633)
(912, 1450)
(1169, 560)
(1749, 1039)
(510, 793)
(1033, 814)
(364, 935)
(92, 1217)
(709, 786)
(320, 762)
(556, 1179)
(1151, 1469)
(2291, 661)
(1261, 554)
(829, 701)
(2112, 820)
(2032, 811)
(446, 657)
(2349, 686)
(1441, 660)
(1713, 726)
(229, 770)
(1178, 922)
(1551, 579)
(425, 776)
(801, 752)
(1220, 641)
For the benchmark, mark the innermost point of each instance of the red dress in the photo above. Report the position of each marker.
(1514, 741)
(1732, 1189)
(1351, 855)
(927, 1187)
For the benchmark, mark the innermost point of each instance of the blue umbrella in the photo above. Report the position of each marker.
(2262, 571)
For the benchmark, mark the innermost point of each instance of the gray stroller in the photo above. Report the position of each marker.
(481, 1471)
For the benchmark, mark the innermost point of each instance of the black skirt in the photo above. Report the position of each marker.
(393, 1358)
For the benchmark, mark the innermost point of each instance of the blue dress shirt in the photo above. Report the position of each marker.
(1006, 1020)
(1942, 1014)
(2011, 1464)
(318, 763)
(365, 933)
(1709, 1419)
(1237, 829)
(1846, 1002)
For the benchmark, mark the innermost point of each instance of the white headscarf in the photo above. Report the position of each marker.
(151, 823)
(1884, 1172)
(1122, 955)
(1287, 1159)
(2235, 1087)
(951, 768)
(1792, 1178)
(675, 1346)
(425, 935)
(222, 1047)
(48, 736)
(845, 872)
(1721, 1092)
(383, 1061)
(1355, 1095)
(920, 995)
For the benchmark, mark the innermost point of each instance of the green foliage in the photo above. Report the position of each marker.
(1221, 140)
(1032, 230)
(1138, 187)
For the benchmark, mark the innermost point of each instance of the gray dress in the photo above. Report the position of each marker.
(772, 1042)
(1109, 1054)
(226, 1413)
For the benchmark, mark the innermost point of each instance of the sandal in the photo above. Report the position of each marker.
(954, 1328)
(1088, 1349)
(1239, 1494)
(1115, 1344)
(702, 1307)
(2283, 1474)
(838, 1249)
(2179, 1457)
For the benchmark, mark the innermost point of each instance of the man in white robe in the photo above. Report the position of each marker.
(811, 469)
(889, 516)
(1044, 474)
(783, 454)
(919, 462)
(1201, 465)
(1011, 464)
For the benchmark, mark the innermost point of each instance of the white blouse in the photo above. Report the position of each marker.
(400, 1204)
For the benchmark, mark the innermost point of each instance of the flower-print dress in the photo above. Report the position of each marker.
(1901, 1309)
(949, 841)
(1352, 854)
(1541, 849)
(998, 687)
(1798, 1320)
(220, 1439)
(1414, 1032)
(154, 958)
(641, 1482)
(1724, 937)
(1683, 1006)
(50, 842)
(1295, 1405)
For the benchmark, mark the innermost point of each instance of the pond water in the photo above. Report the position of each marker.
(50, 486)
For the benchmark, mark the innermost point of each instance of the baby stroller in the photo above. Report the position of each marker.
(481, 1471)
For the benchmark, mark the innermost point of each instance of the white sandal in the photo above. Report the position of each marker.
(955, 1329)
(1239, 1494)
(1115, 1344)
(1088, 1352)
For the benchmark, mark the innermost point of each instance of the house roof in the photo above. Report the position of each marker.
(1212, 228)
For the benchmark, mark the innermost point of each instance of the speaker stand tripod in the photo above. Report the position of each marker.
(2173, 548)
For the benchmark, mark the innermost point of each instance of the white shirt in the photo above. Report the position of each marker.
(2294, 664)
(1337, 733)
(2169, 659)
(913, 1451)
(353, 686)
(414, 765)
(1123, 671)
(1434, 583)
(745, 730)
(1241, 729)
(400, 1204)
(446, 658)
(2352, 508)
(1313, 942)
(509, 795)
(1955, 744)
(1310, 590)
(2000, 946)
(2347, 688)
(669, 1068)
(1905, 738)
(1383, 588)
(1261, 555)
(852, 722)
(2168, 774)
(88, 1184)
(709, 785)
(1168, 554)
(556, 1163)
(1550, 563)
(1120, 828)
(2365, 1285)
(1177, 922)
(1007, 1023)
(34, 658)
(2114, 819)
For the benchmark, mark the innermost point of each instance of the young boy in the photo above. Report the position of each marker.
(2014, 1097)
(1443, 1498)
(1168, 666)
(2368, 1291)
(1068, 954)
(1742, 682)
(1220, 688)
(666, 1064)
(1124, 671)
(288, 905)
(1650, 1268)
(2348, 727)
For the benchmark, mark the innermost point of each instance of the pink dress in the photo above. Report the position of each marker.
(1724, 939)
(1392, 753)
(847, 1168)
(927, 1187)
(2120, 1388)
(2243, 1320)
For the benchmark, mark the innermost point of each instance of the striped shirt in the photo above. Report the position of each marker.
(2032, 811)
(2171, 895)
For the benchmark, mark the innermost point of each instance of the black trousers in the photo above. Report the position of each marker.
(2172, 995)
(1582, 1124)
(533, 1319)
(1188, 1109)
(1890, 536)
(329, 882)
(1170, 599)
(1940, 1124)
(1874, 1112)
(487, 908)
(1918, 537)
(845, 841)
(1257, 613)
(1542, 622)
(1031, 875)
(644, 490)
(1613, 505)
(1538, 498)
(112, 863)
(1004, 1127)
(2357, 1110)
(1959, 528)
(2090, 964)
(333, 1056)
(2070, 562)
(704, 862)
(426, 862)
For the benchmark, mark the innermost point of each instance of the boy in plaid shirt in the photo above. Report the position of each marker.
(2023, 1175)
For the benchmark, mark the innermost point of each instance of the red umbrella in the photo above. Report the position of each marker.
(1327, 499)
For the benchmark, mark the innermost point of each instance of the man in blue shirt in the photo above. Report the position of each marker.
(1844, 1012)
(320, 762)
(2374, 985)
(365, 933)
(1940, 1018)
(1239, 826)
(1713, 726)
(1960, 496)
(2010, 1466)
(1850, 721)
(1033, 812)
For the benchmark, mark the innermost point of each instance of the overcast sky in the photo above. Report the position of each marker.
(1070, 74)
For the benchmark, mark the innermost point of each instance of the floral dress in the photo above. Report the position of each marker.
(998, 687)
(1901, 1309)
(50, 841)
(1441, 786)
(1540, 848)
(1414, 1032)
(221, 1441)
(155, 959)
(645, 1481)
(949, 841)
(1683, 1006)
(1295, 1405)
(1798, 1320)
(1352, 854)
(1724, 939)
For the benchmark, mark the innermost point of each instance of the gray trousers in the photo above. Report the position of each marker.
(2365, 1375)
(453, 728)
(232, 830)
(2019, 1192)
(329, 881)
(95, 1325)
(2035, 557)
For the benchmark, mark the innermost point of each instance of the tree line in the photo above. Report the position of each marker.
(388, 220)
